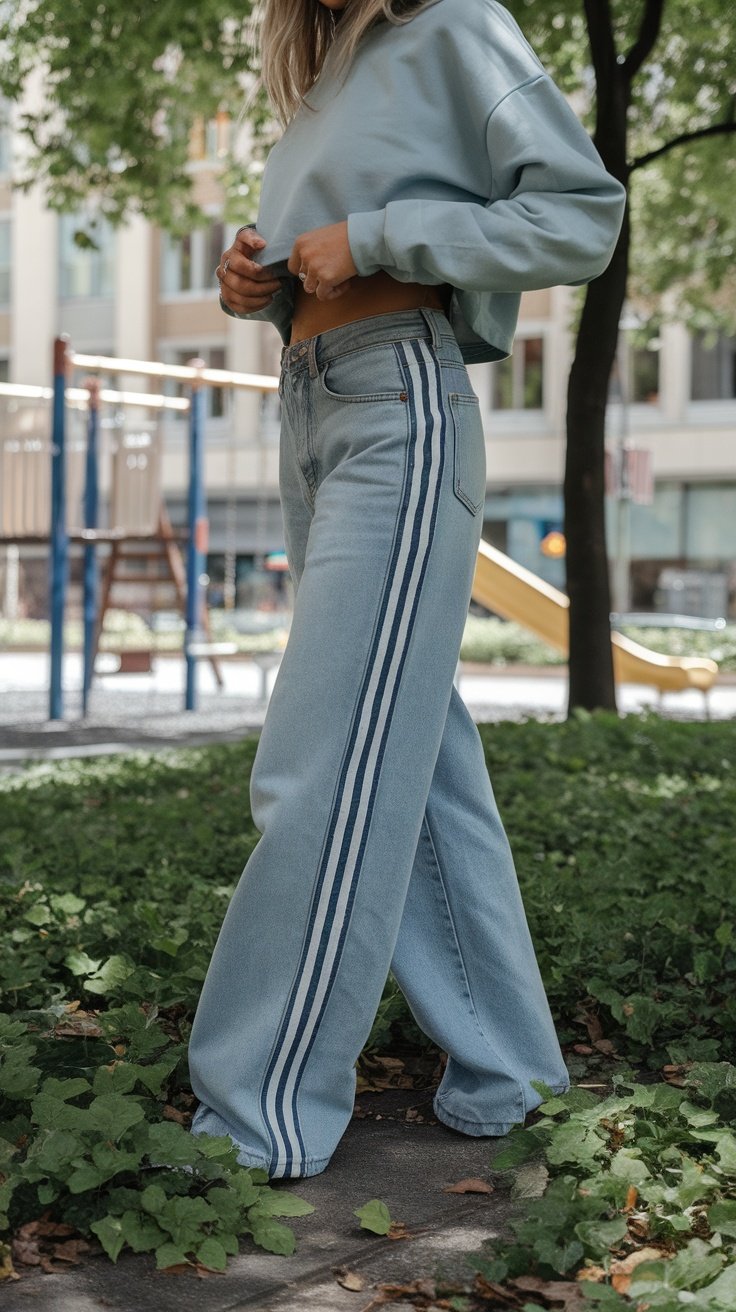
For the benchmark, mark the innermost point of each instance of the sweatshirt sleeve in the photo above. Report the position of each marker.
(552, 218)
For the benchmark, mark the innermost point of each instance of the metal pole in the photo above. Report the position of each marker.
(59, 541)
(91, 508)
(198, 534)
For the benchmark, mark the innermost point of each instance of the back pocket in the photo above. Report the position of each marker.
(469, 451)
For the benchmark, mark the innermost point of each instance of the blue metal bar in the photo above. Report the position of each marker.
(91, 511)
(59, 541)
(197, 544)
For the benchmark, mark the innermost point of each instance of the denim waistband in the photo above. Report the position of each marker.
(425, 322)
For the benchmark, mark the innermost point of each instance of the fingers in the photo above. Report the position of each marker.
(245, 286)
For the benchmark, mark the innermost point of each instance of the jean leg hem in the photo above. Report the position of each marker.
(474, 1128)
(479, 1128)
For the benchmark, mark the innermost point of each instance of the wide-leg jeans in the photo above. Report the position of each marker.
(381, 846)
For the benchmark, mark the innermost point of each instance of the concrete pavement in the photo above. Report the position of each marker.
(144, 710)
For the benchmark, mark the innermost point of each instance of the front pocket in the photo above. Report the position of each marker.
(363, 374)
(469, 451)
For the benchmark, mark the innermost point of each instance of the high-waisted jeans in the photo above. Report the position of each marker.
(381, 845)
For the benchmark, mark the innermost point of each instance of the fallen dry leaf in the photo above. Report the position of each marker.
(583, 1048)
(470, 1186)
(622, 1268)
(351, 1280)
(173, 1114)
(567, 1294)
(593, 1025)
(425, 1289)
(591, 1273)
(398, 1230)
(489, 1289)
(632, 1193)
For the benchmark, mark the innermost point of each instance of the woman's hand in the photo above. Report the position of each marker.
(246, 286)
(324, 255)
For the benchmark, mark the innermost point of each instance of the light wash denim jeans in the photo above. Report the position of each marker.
(381, 845)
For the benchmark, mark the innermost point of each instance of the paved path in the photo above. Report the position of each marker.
(405, 1164)
(146, 709)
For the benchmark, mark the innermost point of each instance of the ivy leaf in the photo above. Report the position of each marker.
(141, 1232)
(722, 1218)
(80, 963)
(169, 1255)
(111, 974)
(109, 1231)
(374, 1216)
(272, 1236)
(112, 1114)
(212, 1254)
(276, 1203)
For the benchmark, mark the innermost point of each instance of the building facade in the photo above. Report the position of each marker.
(144, 295)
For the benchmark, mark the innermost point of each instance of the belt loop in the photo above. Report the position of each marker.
(312, 356)
(430, 319)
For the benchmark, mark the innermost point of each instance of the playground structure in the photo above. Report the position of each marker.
(50, 494)
(514, 593)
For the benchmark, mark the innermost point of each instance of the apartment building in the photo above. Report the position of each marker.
(142, 294)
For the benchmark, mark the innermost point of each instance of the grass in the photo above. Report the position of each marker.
(115, 876)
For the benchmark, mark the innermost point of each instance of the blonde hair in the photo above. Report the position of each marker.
(297, 35)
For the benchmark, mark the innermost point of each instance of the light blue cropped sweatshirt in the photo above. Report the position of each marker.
(454, 158)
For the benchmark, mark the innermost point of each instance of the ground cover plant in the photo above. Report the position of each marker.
(115, 875)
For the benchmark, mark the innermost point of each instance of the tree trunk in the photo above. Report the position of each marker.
(590, 662)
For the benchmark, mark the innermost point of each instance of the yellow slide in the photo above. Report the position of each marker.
(516, 594)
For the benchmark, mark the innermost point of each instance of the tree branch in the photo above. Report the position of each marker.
(715, 130)
(647, 38)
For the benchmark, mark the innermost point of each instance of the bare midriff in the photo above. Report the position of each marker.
(378, 293)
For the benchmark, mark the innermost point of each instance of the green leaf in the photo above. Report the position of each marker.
(598, 1235)
(573, 1142)
(38, 914)
(110, 1234)
(141, 1232)
(279, 1203)
(110, 975)
(79, 963)
(67, 903)
(113, 1113)
(722, 1217)
(171, 1143)
(153, 1199)
(521, 1146)
(169, 1255)
(212, 1254)
(119, 1079)
(272, 1236)
(374, 1216)
(712, 1078)
(627, 1165)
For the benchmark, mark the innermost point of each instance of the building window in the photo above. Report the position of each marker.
(210, 138)
(518, 382)
(713, 367)
(5, 257)
(86, 256)
(188, 263)
(218, 398)
(638, 358)
(4, 369)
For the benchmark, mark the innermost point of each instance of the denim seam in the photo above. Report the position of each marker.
(389, 556)
(462, 963)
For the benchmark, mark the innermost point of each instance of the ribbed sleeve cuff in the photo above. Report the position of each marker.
(366, 241)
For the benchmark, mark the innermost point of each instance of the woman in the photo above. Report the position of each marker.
(429, 172)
